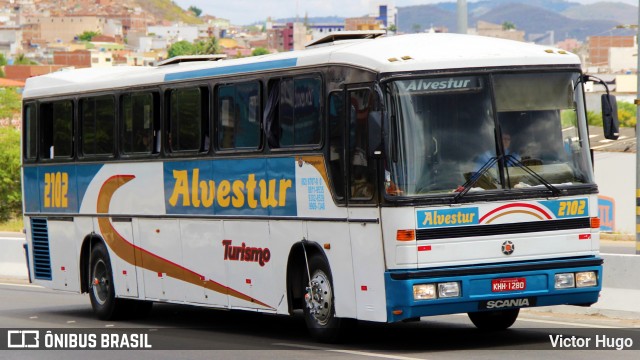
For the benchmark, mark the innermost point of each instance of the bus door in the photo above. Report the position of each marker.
(363, 113)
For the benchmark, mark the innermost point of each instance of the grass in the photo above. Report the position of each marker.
(13, 225)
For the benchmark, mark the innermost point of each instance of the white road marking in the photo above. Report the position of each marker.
(22, 285)
(71, 322)
(350, 352)
(33, 317)
(570, 323)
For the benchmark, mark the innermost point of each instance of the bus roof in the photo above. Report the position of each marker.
(413, 52)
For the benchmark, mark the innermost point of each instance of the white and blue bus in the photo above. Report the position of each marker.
(365, 177)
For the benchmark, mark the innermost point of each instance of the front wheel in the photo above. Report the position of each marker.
(319, 304)
(102, 292)
(494, 320)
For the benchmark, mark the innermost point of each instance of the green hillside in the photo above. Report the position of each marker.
(167, 10)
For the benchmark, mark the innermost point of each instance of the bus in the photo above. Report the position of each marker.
(366, 177)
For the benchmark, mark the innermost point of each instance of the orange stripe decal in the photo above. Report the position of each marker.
(515, 212)
(138, 256)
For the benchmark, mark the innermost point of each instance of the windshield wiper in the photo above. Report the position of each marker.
(475, 177)
(512, 160)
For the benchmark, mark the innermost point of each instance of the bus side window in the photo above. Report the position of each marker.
(30, 132)
(238, 124)
(361, 105)
(188, 128)
(293, 112)
(336, 142)
(56, 133)
(140, 124)
(97, 119)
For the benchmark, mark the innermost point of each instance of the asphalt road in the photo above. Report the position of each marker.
(617, 247)
(202, 333)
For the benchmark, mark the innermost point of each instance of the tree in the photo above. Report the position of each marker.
(259, 51)
(196, 11)
(3, 60)
(88, 35)
(209, 46)
(626, 114)
(22, 59)
(181, 48)
(10, 103)
(10, 190)
(392, 28)
(508, 25)
(416, 28)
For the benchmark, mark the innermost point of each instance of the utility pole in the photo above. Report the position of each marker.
(462, 17)
(637, 102)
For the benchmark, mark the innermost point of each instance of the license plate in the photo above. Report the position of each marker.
(512, 284)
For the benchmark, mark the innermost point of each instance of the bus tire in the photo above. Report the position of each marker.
(494, 320)
(102, 292)
(319, 302)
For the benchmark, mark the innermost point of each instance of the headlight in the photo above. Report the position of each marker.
(449, 289)
(586, 279)
(565, 281)
(424, 291)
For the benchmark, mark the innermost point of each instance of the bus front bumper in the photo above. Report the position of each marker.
(480, 287)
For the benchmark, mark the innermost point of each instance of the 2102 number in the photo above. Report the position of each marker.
(571, 208)
(56, 187)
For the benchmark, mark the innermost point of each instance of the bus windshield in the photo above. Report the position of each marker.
(493, 132)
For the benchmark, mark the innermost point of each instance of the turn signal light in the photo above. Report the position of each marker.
(406, 235)
(595, 223)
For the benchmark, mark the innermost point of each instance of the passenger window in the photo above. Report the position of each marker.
(98, 124)
(56, 130)
(297, 102)
(188, 128)
(238, 121)
(300, 111)
(139, 117)
(30, 132)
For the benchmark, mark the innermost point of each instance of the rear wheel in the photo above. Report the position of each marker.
(494, 320)
(319, 306)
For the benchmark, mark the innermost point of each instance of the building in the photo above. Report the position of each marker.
(288, 37)
(77, 59)
(623, 59)
(319, 31)
(23, 72)
(386, 13)
(599, 48)
(175, 33)
(485, 28)
(363, 23)
(569, 44)
(10, 40)
(67, 28)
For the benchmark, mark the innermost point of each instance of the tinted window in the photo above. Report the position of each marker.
(57, 129)
(300, 111)
(239, 116)
(30, 132)
(98, 123)
(139, 118)
(186, 122)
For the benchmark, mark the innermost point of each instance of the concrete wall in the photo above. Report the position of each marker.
(615, 175)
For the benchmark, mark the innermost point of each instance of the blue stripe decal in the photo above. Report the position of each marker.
(234, 69)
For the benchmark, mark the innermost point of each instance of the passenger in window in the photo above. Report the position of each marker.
(361, 186)
(143, 142)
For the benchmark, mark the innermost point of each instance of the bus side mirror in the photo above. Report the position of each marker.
(610, 117)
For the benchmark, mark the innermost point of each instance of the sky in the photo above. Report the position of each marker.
(244, 12)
